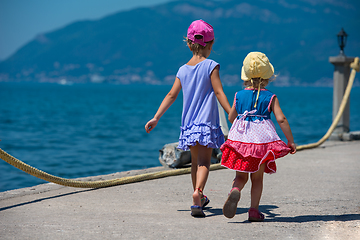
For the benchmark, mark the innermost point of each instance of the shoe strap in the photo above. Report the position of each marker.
(199, 190)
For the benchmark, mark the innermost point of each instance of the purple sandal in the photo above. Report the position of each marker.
(197, 211)
(204, 201)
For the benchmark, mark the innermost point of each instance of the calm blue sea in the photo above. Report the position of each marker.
(84, 130)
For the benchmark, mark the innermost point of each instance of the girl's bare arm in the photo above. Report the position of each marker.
(164, 106)
(218, 89)
(283, 123)
(233, 113)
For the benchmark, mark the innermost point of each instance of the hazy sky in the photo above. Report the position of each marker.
(22, 20)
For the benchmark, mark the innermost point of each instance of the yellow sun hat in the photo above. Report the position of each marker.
(256, 65)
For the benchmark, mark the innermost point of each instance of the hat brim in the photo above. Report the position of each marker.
(243, 75)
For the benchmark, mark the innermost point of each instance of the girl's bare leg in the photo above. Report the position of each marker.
(199, 172)
(257, 186)
(194, 164)
(230, 205)
(240, 180)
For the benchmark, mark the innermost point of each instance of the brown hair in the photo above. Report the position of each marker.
(195, 47)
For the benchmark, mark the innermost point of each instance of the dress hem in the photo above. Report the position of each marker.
(262, 161)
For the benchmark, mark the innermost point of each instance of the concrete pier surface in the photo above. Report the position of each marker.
(315, 194)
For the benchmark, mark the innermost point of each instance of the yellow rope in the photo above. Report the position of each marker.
(355, 68)
(93, 184)
(148, 176)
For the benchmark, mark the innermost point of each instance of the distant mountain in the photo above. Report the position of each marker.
(145, 45)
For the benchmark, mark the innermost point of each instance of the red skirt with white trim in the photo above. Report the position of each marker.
(247, 157)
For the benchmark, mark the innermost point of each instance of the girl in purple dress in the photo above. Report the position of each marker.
(200, 125)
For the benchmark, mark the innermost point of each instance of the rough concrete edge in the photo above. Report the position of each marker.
(46, 187)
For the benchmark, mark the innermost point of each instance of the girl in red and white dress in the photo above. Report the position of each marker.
(253, 144)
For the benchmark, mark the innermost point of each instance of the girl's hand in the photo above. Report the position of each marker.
(292, 146)
(150, 125)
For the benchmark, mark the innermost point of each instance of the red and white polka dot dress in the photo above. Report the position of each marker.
(252, 139)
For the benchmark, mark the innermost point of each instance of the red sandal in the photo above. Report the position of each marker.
(255, 215)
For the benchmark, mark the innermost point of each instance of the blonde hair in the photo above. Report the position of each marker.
(254, 82)
(195, 47)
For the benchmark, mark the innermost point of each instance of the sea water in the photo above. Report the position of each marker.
(83, 130)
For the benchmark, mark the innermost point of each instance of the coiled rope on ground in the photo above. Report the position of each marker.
(149, 176)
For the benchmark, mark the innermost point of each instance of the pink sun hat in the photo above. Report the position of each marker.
(202, 28)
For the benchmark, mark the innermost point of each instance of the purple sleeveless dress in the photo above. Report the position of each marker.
(200, 117)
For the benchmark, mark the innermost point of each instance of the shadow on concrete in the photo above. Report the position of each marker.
(43, 199)
(210, 212)
(316, 218)
(272, 217)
